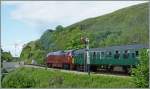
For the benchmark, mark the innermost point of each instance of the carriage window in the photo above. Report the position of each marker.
(126, 54)
(79, 55)
(108, 54)
(117, 51)
(94, 55)
(102, 53)
(97, 55)
(136, 53)
(133, 55)
(116, 56)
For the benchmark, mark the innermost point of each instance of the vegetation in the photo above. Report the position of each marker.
(125, 26)
(141, 73)
(6, 56)
(40, 78)
(33, 51)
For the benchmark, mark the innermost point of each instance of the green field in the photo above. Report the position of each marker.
(41, 78)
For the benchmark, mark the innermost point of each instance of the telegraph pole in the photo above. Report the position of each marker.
(85, 60)
(84, 53)
(85, 40)
(15, 49)
(87, 55)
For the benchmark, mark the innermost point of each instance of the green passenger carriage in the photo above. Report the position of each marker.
(125, 56)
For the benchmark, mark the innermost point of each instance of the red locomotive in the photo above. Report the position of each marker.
(59, 59)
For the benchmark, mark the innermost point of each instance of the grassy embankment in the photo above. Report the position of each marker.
(33, 77)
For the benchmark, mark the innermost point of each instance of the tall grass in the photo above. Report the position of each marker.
(40, 78)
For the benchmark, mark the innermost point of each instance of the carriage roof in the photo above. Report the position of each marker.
(122, 47)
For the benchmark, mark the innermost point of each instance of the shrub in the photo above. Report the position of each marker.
(40, 78)
(18, 80)
(141, 72)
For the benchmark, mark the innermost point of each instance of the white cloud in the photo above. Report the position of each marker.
(14, 47)
(15, 51)
(63, 12)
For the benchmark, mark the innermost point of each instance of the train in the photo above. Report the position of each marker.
(109, 58)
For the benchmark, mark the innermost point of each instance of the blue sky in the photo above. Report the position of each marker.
(15, 32)
(24, 21)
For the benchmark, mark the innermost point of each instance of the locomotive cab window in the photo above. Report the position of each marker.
(117, 55)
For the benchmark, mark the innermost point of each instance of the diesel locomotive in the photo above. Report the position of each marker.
(124, 56)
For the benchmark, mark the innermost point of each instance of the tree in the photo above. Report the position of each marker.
(59, 28)
(50, 30)
(141, 72)
(6, 56)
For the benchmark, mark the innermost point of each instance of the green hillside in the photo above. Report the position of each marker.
(125, 26)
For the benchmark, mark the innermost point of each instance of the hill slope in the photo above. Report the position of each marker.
(125, 26)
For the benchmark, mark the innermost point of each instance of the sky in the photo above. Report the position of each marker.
(25, 21)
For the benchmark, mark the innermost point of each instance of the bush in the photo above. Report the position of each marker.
(141, 72)
(6, 56)
(19, 80)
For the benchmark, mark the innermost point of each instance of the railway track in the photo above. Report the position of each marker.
(99, 72)
(120, 73)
